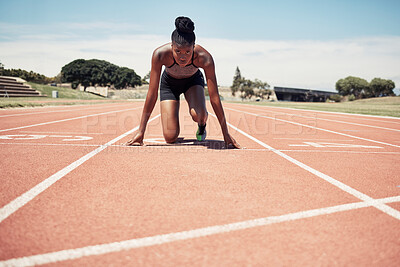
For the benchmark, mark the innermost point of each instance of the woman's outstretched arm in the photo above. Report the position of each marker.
(151, 98)
(209, 69)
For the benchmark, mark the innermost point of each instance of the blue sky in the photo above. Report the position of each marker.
(307, 19)
(264, 33)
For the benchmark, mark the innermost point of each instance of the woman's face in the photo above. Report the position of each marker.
(182, 53)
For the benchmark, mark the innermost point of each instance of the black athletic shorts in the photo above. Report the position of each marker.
(171, 88)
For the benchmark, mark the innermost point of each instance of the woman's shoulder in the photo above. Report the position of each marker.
(163, 52)
(164, 48)
(202, 57)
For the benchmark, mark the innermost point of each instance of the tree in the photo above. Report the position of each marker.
(336, 97)
(249, 88)
(29, 76)
(125, 77)
(1, 68)
(380, 87)
(146, 78)
(262, 89)
(99, 72)
(58, 78)
(352, 85)
(109, 74)
(246, 89)
(72, 72)
(237, 81)
(361, 88)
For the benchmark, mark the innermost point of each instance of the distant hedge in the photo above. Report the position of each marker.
(360, 88)
(28, 76)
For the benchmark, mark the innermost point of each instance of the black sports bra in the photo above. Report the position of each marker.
(179, 72)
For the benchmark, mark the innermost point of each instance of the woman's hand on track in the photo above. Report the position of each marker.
(230, 141)
(137, 139)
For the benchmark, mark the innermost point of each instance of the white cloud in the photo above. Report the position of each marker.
(312, 64)
(47, 56)
(102, 25)
(304, 64)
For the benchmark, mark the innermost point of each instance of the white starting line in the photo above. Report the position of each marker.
(105, 248)
(42, 136)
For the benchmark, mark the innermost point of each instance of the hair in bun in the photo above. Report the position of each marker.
(183, 34)
(184, 24)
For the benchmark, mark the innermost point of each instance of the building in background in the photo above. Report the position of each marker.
(301, 95)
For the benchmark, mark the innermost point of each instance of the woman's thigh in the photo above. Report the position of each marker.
(197, 103)
(170, 119)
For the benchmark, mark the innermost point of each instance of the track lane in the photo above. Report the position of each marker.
(213, 232)
(51, 109)
(29, 165)
(313, 125)
(11, 123)
(384, 125)
(80, 213)
(360, 171)
(326, 240)
(151, 196)
(393, 121)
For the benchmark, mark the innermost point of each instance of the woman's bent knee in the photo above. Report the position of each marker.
(171, 140)
(199, 116)
(171, 137)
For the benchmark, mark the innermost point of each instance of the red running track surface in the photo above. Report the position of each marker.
(309, 188)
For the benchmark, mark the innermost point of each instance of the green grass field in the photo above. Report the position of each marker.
(66, 96)
(63, 92)
(382, 106)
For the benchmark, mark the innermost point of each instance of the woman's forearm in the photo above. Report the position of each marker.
(214, 98)
(149, 104)
(152, 93)
(219, 112)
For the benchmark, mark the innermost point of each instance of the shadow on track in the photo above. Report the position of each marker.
(209, 143)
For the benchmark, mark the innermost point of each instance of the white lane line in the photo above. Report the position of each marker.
(20, 201)
(64, 110)
(322, 151)
(101, 249)
(382, 207)
(325, 144)
(70, 119)
(333, 113)
(337, 121)
(50, 144)
(145, 148)
(288, 138)
(61, 132)
(64, 105)
(198, 147)
(313, 127)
